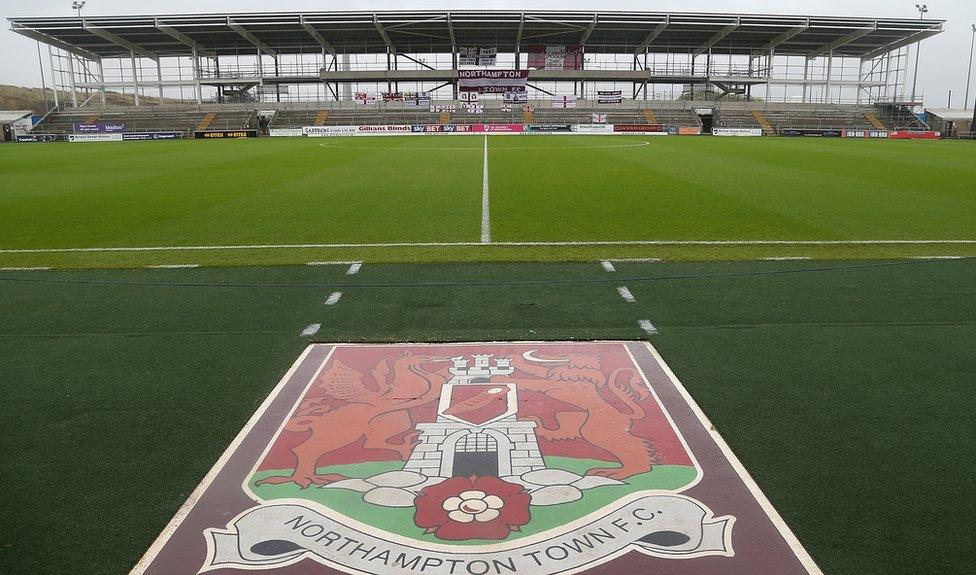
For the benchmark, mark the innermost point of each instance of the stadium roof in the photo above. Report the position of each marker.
(437, 31)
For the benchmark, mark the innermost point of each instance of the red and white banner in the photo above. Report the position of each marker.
(392, 96)
(492, 81)
(919, 135)
(498, 128)
(555, 57)
(564, 101)
(365, 98)
(417, 99)
(599, 118)
(474, 108)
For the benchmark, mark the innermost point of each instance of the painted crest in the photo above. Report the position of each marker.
(488, 458)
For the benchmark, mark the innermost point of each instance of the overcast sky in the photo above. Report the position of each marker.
(944, 57)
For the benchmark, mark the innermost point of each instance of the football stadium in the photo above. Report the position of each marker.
(486, 292)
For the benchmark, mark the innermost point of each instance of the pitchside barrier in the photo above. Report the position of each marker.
(738, 132)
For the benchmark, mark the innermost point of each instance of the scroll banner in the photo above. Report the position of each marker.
(475, 56)
(555, 57)
(516, 98)
(669, 526)
(492, 81)
(914, 135)
(609, 96)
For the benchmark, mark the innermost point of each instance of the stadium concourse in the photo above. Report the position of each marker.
(543, 292)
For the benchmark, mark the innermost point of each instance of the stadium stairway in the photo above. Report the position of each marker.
(445, 118)
(649, 116)
(527, 117)
(874, 120)
(763, 122)
(206, 121)
(321, 117)
(91, 119)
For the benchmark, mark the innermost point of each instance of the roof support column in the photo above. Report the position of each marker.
(769, 74)
(54, 83)
(830, 69)
(71, 77)
(159, 76)
(101, 79)
(196, 77)
(135, 77)
(806, 76)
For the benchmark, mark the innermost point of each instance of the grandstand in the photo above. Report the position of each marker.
(770, 72)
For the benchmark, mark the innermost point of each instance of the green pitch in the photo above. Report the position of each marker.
(339, 197)
(846, 388)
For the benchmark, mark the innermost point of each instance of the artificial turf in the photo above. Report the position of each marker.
(844, 387)
(426, 190)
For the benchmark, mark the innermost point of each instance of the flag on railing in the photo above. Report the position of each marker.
(469, 96)
(516, 97)
(438, 109)
(555, 57)
(492, 81)
(564, 101)
(392, 96)
(475, 56)
(416, 99)
(475, 108)
(609, 96)
(599, 118)
(365, 98)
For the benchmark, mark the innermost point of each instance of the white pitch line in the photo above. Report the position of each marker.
(30, 269)
(494, 244)
(336, 263)
(647, 326)
(608, 266)
(625, 293)
(311, 329)
(938, 257)
(787, 258)
(636, 260)
(354, 268)
(485, 204)
(172, 266)
(333, 298)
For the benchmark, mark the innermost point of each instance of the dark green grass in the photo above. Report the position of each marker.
(846, 393)
(428, 190)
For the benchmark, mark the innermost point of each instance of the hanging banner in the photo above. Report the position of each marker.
(555, 57)
(416, 99)
(469, 96)
(516, 97)
(492, 81)
(392, 96)
(609, 96)
(475, 56)
(365, 98)
(564, 101)
(599, 118)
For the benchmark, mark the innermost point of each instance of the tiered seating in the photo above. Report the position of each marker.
(897, 117)
(826, 117)
(62, 122)
(676, 117)
(234, 121)
(293, 118)
(734, 119)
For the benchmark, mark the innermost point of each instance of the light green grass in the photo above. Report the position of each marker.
(428, 189)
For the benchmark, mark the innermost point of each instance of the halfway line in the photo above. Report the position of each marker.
(501, 244)
(485, 208)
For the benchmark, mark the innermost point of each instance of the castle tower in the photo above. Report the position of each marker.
(477, 431)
